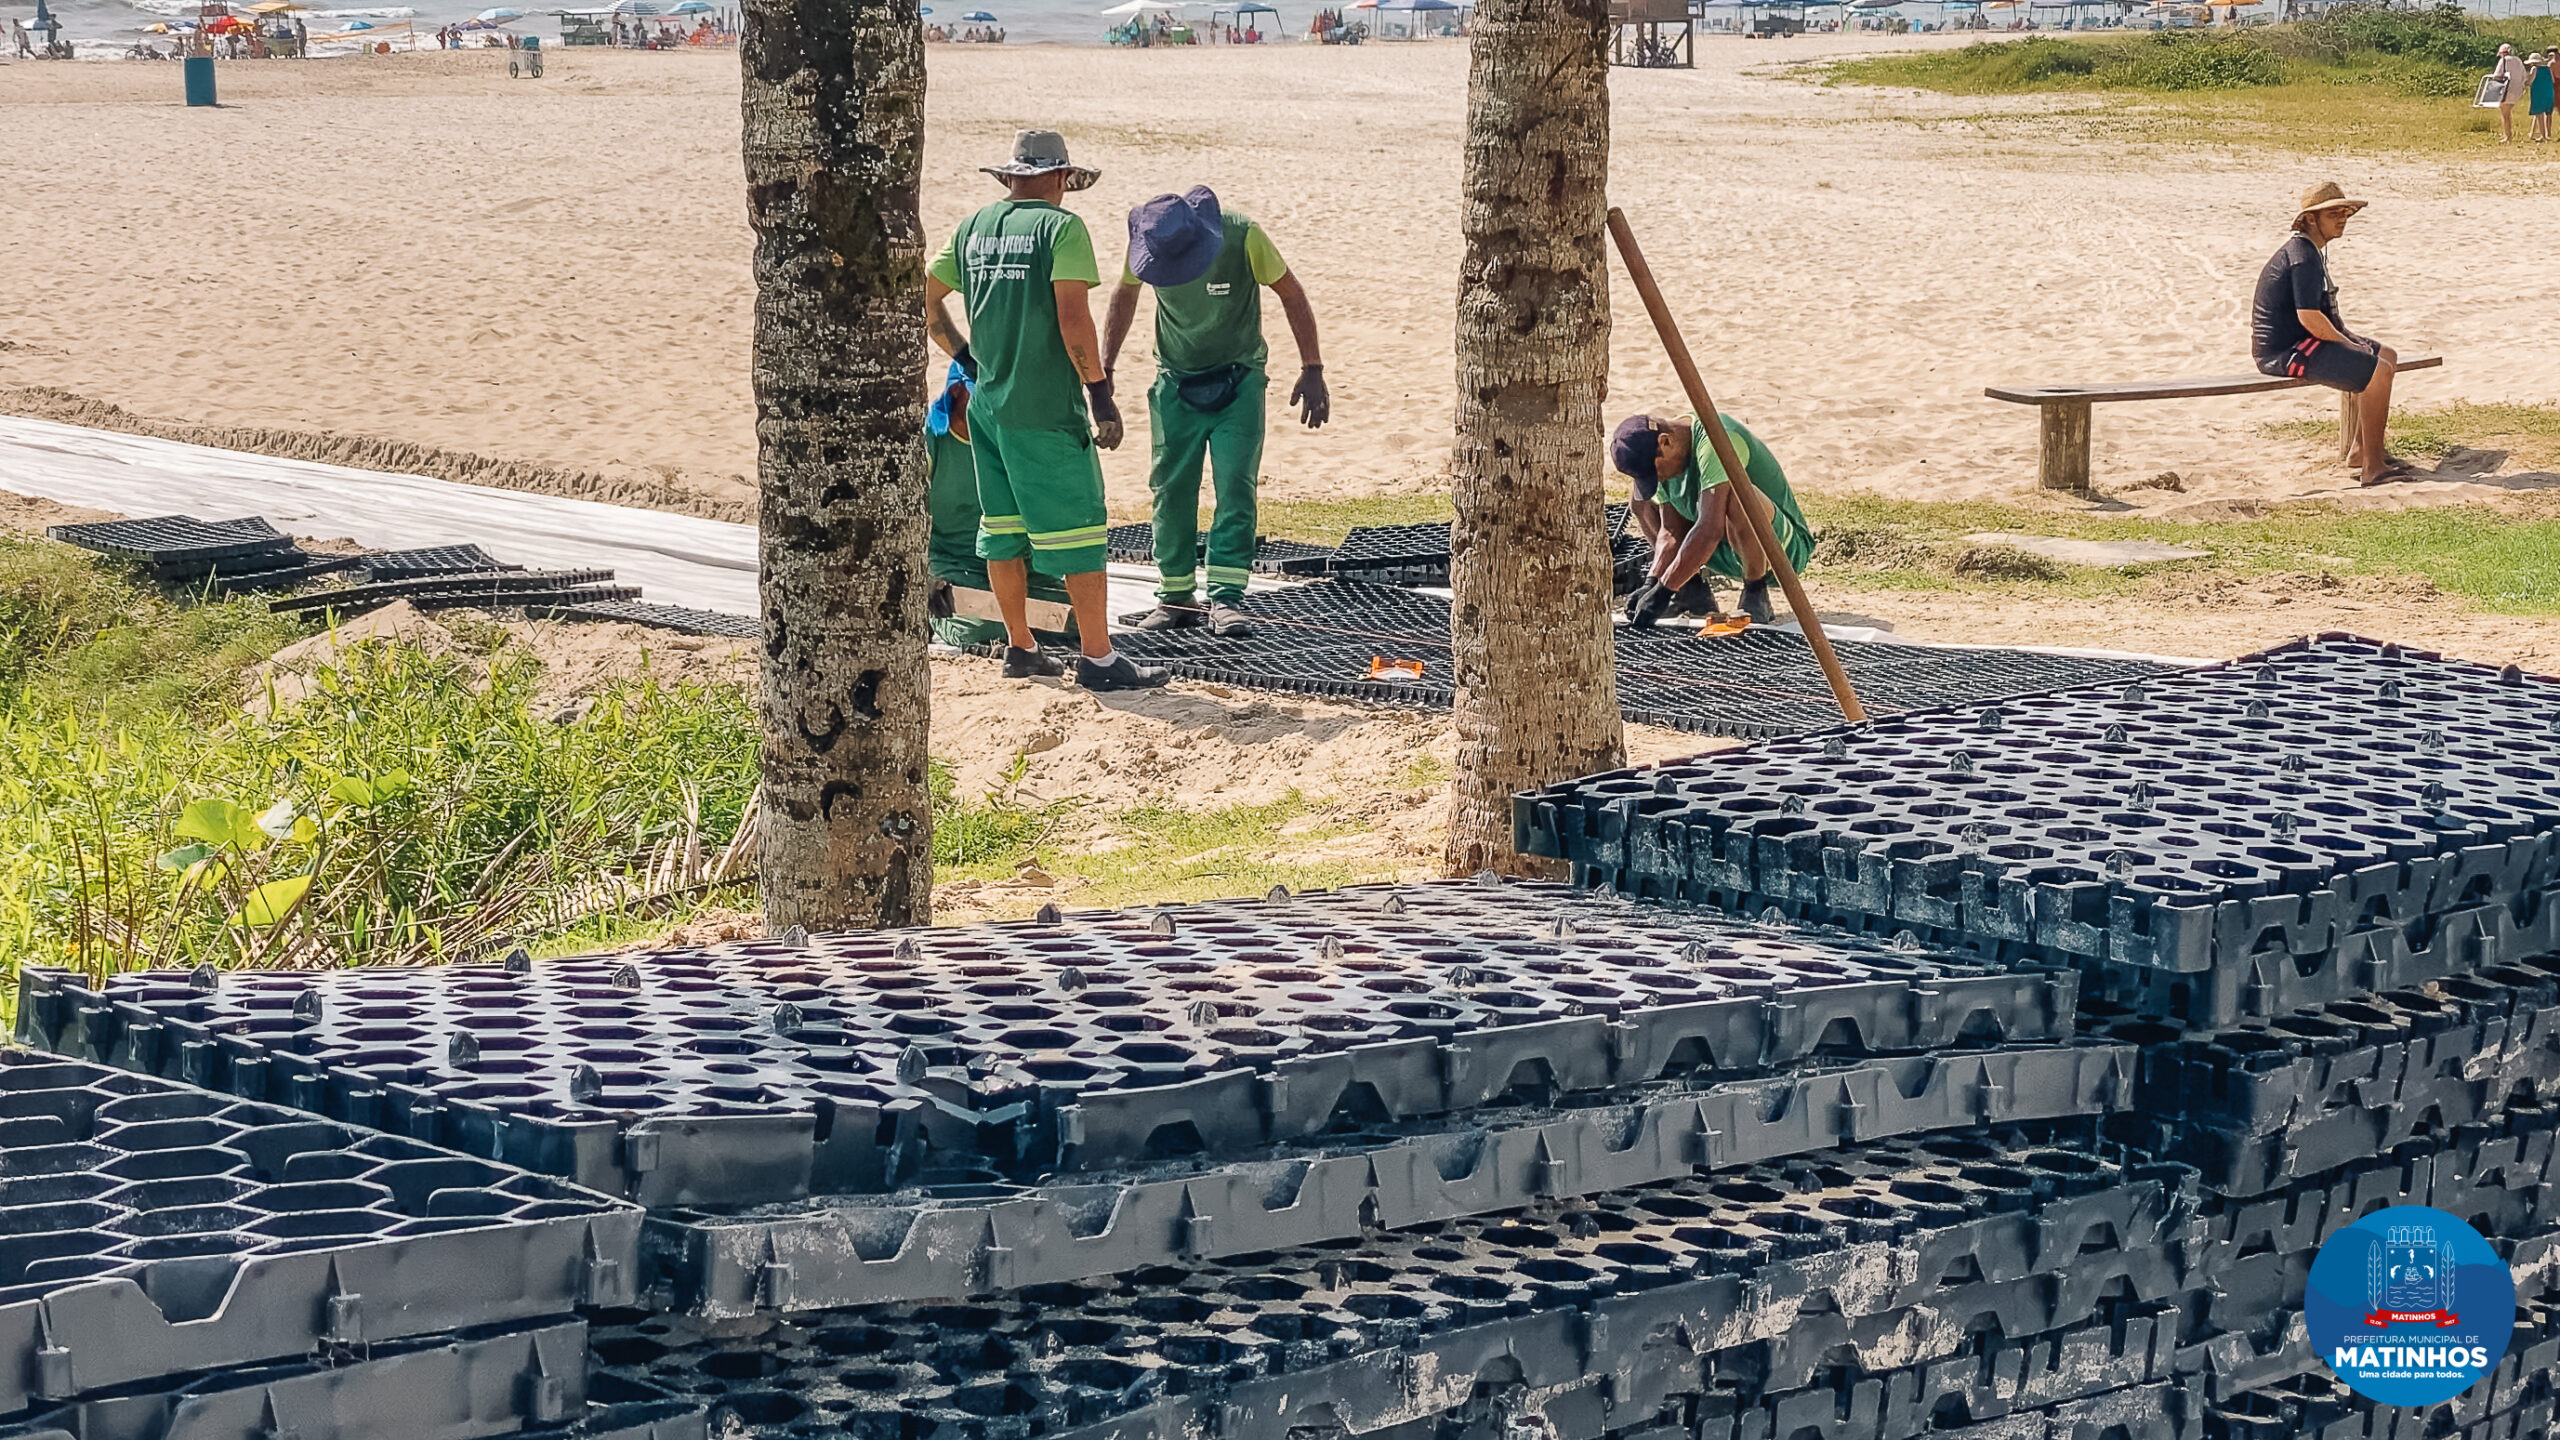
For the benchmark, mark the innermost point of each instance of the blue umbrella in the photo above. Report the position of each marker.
(979, 17)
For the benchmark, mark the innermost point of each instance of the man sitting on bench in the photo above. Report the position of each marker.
(2296, 332)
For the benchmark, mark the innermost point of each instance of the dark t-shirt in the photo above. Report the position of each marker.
(2295, 279)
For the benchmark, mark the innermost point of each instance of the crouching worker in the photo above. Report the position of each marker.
(951, 556)
(1695, 520)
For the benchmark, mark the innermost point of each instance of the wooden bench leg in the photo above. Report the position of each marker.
(2065, 461)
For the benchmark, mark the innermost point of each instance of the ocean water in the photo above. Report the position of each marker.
(107, 27)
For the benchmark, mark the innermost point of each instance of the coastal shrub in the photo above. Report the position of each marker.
(2421, 54)
(414, 807)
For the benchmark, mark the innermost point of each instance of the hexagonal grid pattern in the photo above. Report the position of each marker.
(147, 1229)
(759, 1071)
(2328, 817)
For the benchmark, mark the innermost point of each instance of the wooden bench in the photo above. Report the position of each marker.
(2064, 464)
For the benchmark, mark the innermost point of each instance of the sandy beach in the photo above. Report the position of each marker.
(554, 274)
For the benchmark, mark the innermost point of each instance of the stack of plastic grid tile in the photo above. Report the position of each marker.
(1883, 1292)
(182, 550)
(2321, 821)
(190, 1266)
(1321, 639)
(764, 1071)
(1369, 1074)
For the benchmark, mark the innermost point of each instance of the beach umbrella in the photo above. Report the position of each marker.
(359, 24)
(979, 17)
(690, 7)
(1140, 7)
(498, 15)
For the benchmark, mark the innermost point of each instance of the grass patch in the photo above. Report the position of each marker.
(2499, 560)
(1159, 854)
(2529, 434)
(1325, 522)
(2358, 78)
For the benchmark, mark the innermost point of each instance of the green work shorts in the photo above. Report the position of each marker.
(1041, 491)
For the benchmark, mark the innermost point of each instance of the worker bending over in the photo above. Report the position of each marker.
(1208, 266)
(1023, 268)
(1695, 521)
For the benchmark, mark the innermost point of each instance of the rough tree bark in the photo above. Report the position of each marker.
(1529, 556)
(834, 140)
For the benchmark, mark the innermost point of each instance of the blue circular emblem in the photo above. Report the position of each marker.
(2409, 1306)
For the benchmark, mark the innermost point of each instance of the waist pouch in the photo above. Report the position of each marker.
(1211, 391)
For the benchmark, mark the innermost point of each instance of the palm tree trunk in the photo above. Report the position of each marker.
(834, 126)
(1537, 695)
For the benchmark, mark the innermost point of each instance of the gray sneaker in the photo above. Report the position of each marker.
(1170, 617)
(1122, 673)
(1024, 664)
(1227, 622)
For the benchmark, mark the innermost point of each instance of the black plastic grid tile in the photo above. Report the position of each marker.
(176, 544)
(482, 1381)
(1879, 1258)
(534, 586)
(762, 1071)
(2332, 817)
(292, 570)
(678, 618)
(147, 1229)
(2260, 1105)
(1319, 639)
(985, 1238)
(2317, 1407)
(428, 560)
(1136, 545)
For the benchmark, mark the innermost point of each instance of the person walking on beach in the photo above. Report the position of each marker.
(1208, 266)
(2539, 93)
(2295, 330)
(1694, 519)
(2509, 75)
(1023, 268)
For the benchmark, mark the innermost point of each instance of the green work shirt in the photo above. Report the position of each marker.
(1705, 472)
(1003, 260)
(1216, 320)
(952, 501)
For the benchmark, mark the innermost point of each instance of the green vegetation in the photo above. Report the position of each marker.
(412, 808)
(1152, 854)
(2360, 76)
(2529, 435)
(417, 807)
(2498, 560)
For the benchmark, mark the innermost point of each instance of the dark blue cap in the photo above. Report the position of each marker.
(1173, 239)
(1634, 449)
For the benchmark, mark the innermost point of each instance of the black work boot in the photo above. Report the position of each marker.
(1755, 601)
(1698, 597)
(1024, 664)
(1171, 616)
(1122, 673)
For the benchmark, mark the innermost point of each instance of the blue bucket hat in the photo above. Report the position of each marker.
(937, 421)
(1173, 239)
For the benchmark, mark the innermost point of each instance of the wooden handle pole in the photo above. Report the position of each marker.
(1754, 504)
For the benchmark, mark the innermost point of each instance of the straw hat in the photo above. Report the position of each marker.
(1041, 152)
(2327, 195)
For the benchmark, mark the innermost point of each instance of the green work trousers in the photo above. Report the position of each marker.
(1232, 441)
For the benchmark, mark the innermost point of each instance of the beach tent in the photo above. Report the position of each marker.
(1414, 10)
(1142, 7)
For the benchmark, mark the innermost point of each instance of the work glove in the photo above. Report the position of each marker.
(1648, 604)
(967, 362)
(1106, 413)
(1316, 402)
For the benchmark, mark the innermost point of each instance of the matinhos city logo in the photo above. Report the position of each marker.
(2409, 1306)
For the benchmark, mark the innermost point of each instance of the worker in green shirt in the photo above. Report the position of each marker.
(1023, 268)
(951, 555)
(1693, 518)
(1208, 266)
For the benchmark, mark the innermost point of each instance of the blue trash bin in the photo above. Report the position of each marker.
(200, 80)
